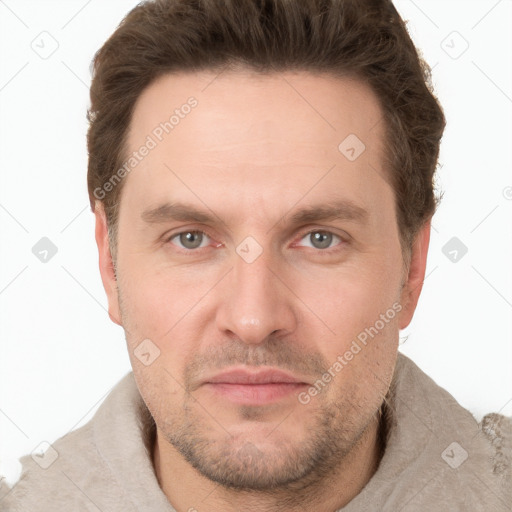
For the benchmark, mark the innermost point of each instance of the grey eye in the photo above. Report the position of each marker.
(190, 239)
(321, 239)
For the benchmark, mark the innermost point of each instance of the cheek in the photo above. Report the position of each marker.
(157, 297)
(164, 307)
(157, 352)
(360, 306)
(351, 299)
(161, 389)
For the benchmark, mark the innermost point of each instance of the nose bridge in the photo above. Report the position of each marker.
(255, 303)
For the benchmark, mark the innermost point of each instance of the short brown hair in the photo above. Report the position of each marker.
(363, 39)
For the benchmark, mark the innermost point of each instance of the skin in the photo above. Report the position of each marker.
(256, 150)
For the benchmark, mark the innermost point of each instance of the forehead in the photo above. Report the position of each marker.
(214, 132)
(288, 107)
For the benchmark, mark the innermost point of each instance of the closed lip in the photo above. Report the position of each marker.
(244, 376)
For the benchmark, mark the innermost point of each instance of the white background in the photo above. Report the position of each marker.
(60, 355)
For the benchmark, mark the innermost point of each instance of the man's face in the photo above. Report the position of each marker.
(260, 280)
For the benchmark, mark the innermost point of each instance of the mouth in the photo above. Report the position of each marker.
(241, 386)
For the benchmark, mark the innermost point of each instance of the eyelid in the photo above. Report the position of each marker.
(344, 239)
(177, 235)
(184, 229)
(167, 237)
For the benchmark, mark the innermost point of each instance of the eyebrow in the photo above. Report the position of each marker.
(175, 211)
(333, 210)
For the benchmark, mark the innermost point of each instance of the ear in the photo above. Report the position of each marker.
(106, 263)
(415, 276)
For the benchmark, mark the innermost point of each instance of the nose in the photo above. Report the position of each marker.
(255, 303)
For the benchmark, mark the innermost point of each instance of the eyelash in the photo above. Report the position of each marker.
(328, 251)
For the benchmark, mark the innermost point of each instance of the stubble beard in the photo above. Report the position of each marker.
(285, 465)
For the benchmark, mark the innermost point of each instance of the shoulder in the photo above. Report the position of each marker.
(81, 470)
(466, 462)
(497, 429)
(62, 474)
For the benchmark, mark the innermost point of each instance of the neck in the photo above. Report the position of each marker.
(188, 490)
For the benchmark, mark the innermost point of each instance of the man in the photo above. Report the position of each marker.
(261, 176)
